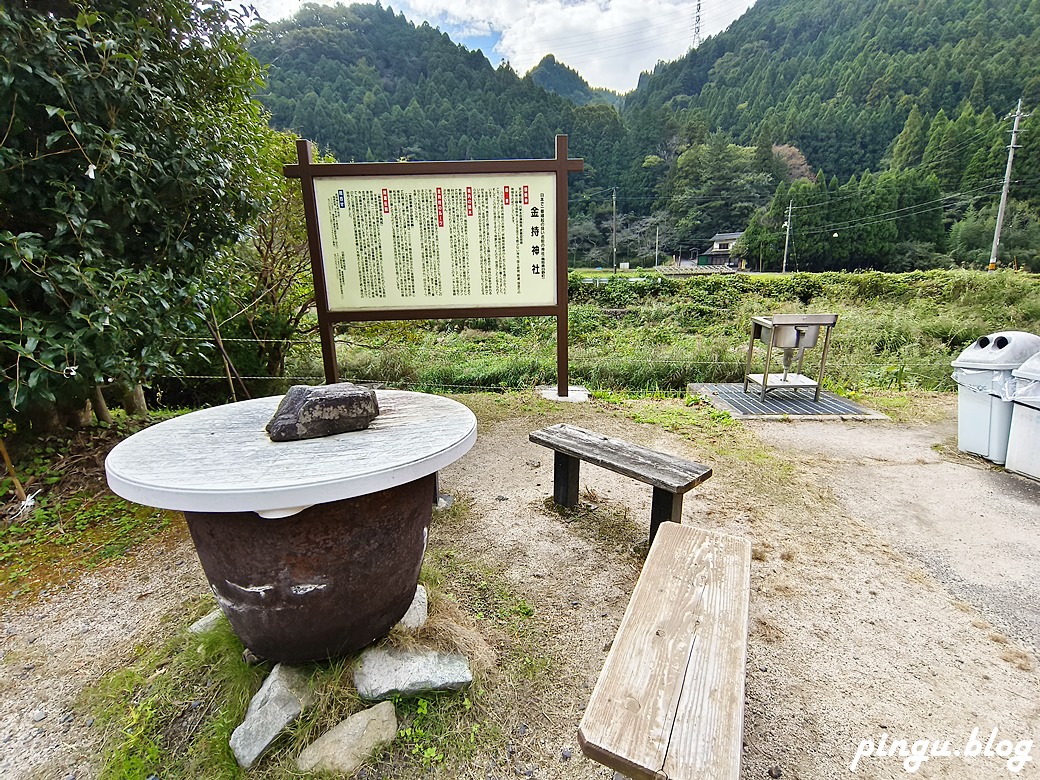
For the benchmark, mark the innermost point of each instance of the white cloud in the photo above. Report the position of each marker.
(609, 42)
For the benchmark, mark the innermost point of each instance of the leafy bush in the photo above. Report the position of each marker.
(125, 167)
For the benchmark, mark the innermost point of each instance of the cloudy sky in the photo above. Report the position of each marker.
(607, 41)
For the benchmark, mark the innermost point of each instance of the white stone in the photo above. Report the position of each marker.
(418, 611)
(282, 698)
(344, 748)
(575, 394)
(385, 671)
(206, 622)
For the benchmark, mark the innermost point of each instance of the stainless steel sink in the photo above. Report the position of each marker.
(792, 333)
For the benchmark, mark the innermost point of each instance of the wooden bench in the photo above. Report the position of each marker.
(669, 702)
(670, 476)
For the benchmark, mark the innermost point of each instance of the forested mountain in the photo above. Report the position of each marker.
(554, 76)
(902, 106)
(370, 85)
(838, 78)
(367, 84)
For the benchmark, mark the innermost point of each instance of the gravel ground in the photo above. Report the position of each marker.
(893, 593)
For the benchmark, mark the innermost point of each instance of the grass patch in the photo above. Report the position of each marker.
(74, 523)
(498, 407)
(894, 331)
(908, 406)
(76, 533)
(608, 525)
(741, 464)
(172, 710)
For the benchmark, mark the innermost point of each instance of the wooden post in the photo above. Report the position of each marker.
(562, 363)
(305, 154)
(665, 507)
(18, 489)
(565, 479)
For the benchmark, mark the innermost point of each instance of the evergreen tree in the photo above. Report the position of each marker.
(910, 143)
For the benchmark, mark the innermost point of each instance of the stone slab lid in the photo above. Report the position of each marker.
(221, 459)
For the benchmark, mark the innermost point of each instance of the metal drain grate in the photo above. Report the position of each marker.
(782, 403)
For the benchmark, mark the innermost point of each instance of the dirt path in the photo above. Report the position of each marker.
(976, 529)
(50, 650)
(870, 612)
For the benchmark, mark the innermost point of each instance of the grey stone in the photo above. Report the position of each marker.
(309, 412)
(385, 671)
(206, 622)
(38, 715)
(418, 611)
(344, 748)
(282, 698)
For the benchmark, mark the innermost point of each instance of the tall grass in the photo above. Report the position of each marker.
(661, 334)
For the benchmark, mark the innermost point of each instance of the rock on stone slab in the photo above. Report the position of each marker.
(384, 671)
(282, 698)
(418, 611)
(344, 748)
(309, 412)
(206, 622)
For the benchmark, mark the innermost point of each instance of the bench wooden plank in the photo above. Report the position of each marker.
(670, 473)
(669, 702)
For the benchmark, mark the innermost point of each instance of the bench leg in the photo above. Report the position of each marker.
(565, 480)
(665, 508)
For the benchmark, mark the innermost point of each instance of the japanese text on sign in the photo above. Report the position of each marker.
(451, 241)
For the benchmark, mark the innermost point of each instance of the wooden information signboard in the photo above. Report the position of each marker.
(437, 240)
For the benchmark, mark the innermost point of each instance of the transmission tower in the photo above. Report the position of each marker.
(697, 26)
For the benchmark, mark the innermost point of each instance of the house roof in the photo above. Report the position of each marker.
(727, 236)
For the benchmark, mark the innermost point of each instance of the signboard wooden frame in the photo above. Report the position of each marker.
(308, 171)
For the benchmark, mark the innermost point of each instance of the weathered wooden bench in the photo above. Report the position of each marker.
(670, 476)
(669, 702)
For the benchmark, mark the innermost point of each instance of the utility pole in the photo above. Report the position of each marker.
(613, 240)
(657, 247)
(787, 241)
(1004, 190)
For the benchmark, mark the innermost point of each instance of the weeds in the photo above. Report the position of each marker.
(80, 532)
(171, 712)
(73, 522)
(896, 331)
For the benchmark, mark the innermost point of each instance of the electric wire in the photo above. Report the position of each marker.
(905, 211)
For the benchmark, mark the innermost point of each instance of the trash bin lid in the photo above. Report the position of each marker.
(1007, 349)
(1030, 369)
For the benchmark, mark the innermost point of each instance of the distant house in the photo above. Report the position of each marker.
(721, 247)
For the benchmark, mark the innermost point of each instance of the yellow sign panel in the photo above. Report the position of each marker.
(436, 242)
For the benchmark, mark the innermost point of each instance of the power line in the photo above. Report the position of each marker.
(976, 137)
(891, 216)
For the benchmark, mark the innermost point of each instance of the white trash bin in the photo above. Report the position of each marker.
(1023, 455)
(982, 373)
